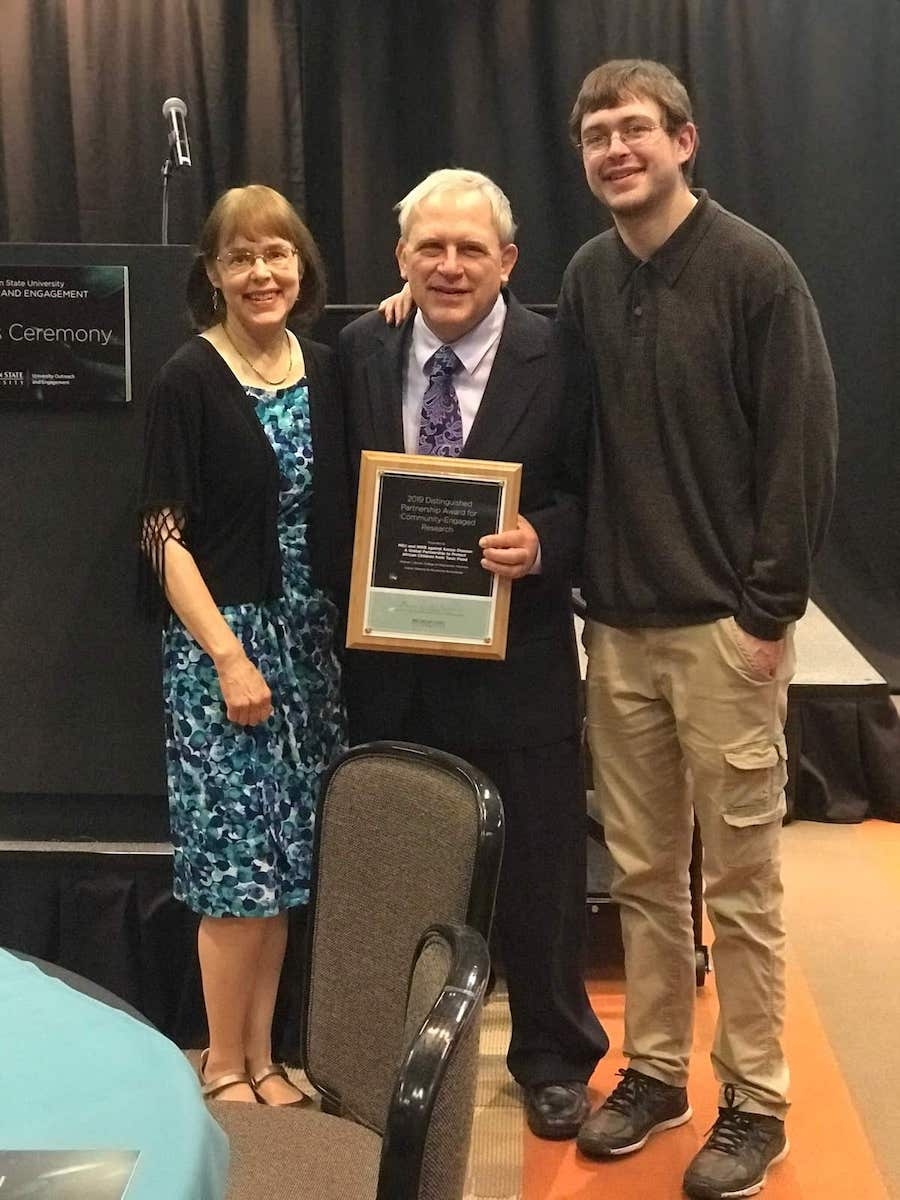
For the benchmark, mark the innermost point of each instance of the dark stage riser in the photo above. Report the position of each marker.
(108, 914)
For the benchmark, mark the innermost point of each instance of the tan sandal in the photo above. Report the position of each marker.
(267, 1073)
(210, 1088)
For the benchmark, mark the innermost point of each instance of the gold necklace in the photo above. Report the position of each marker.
(255, 370)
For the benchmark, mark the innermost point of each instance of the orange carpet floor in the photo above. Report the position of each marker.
(830, 1157)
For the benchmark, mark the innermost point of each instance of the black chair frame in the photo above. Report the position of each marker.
(427, 1060)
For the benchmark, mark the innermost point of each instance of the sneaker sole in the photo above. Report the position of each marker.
(672, 1123)
(714, 1194)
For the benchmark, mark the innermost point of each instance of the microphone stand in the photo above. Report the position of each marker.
(169, 167)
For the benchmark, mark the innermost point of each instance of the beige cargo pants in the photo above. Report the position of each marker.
(678, 723)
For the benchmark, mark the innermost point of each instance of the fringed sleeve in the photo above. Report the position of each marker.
(170, 493)
(157, 529)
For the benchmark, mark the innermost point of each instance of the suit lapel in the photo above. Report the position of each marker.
(384, 385)
(511, 387)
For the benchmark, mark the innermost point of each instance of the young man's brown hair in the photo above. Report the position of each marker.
(614, 83)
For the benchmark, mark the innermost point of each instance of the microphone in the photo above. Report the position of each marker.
(175, 112)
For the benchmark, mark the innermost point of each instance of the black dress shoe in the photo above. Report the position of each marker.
(556, 1110)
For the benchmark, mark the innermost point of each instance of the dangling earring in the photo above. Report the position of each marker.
(215, 292)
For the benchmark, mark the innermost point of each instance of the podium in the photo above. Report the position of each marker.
(78, 668)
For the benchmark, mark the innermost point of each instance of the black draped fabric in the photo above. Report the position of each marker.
(345, 105)
(112, 919)
(843, 754)
(82, 83)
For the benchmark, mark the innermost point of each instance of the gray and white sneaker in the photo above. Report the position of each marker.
(637, 1107)
(736, 1157)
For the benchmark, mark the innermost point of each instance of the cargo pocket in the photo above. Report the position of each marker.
(753, 790)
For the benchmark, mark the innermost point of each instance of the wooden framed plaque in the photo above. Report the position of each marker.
(418, 585)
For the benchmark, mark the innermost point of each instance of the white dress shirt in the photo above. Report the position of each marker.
(476, 351)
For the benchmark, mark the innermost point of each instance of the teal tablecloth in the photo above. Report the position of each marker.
(77, 1074)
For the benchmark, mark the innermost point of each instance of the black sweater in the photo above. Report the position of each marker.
(208, 458)
(716, 429)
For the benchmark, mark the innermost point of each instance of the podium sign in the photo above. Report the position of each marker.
(418, 585)
(64, 335)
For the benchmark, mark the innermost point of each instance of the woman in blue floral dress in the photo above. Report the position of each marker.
(246, 526)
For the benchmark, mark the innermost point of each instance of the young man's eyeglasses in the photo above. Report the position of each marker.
(632, 133)
(236, 261)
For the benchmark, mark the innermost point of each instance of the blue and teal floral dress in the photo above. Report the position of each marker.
(242, 798)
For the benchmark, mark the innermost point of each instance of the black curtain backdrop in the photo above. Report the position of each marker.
(345, 104)
(82, 84)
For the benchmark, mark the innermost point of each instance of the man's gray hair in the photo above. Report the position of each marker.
(455, 179)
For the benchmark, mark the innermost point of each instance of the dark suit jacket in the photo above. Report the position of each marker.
(533, 697)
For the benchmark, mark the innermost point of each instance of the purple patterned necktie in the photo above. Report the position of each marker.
(440, 425)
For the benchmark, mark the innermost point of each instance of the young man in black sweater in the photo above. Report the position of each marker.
(710, 487)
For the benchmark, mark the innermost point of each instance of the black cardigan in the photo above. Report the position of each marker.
(208, 458)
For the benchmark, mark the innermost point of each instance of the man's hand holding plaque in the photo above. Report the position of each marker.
(438, 542)
(513, 552)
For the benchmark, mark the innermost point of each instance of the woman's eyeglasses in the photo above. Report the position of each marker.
(275, 257)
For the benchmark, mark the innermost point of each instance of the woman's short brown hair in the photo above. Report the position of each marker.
(254, 212)
(622, 79)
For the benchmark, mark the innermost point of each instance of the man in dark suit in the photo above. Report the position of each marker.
(474, 373)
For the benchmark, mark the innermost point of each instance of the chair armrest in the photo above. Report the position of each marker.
(429, 1120)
